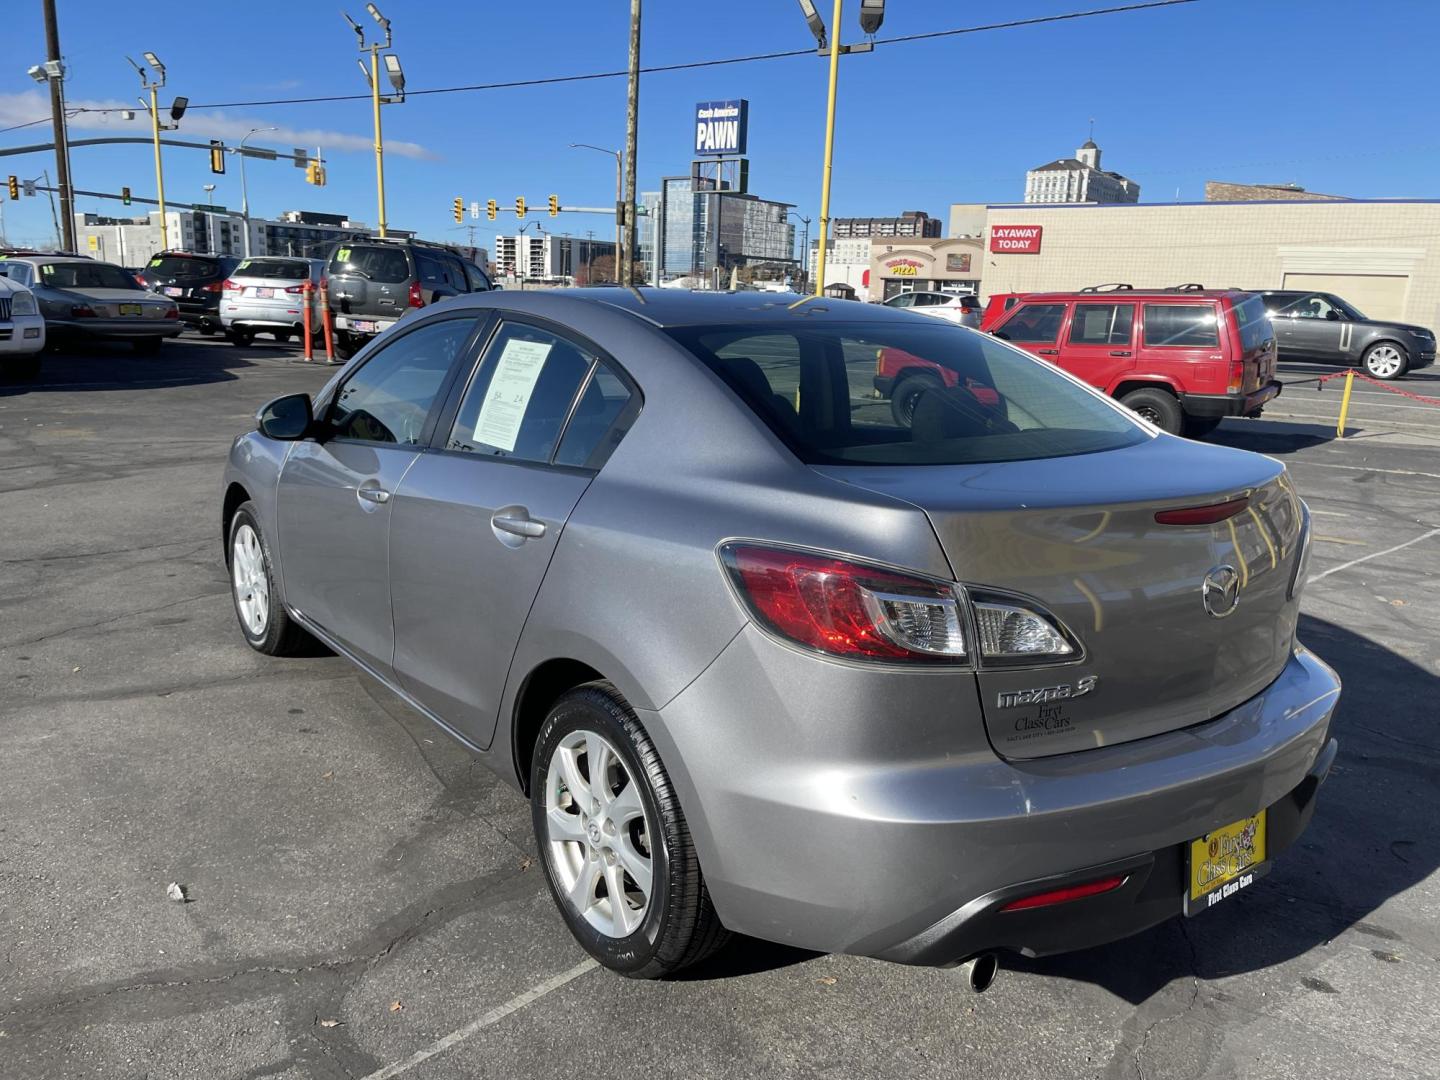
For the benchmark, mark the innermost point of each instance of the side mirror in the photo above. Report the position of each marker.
(1333, 315)
(287, 418)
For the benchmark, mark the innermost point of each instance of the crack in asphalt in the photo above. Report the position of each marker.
(112, 618)
(196, 541)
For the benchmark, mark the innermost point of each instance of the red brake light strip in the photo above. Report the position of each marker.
(1070, 892)
(1203, 515)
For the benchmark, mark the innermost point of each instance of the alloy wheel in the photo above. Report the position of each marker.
(251, 583)
(599, 834)
(1384, 361)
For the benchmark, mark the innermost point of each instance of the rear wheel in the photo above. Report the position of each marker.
(618, 856)
(283, 335)
(266, 624)
(1386, 360)
(345, 347)
(240, 337)
(1160, 407)
(907, 392)
(1197, 427)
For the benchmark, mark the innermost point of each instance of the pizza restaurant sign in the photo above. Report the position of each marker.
(903, 267)
(1015, 239)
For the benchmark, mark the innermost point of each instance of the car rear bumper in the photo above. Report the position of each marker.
(1212, 405)
(114, 329)
(864, 811)
(348, 323)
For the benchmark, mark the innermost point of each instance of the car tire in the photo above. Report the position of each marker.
(283, 335)
(146, 346)
(252, 588)
(634, 823)
(907, 392)
(1386, 360)
(1197, 427)
(240, 337)
(205, 330)
(345, 347)
(1160, 407)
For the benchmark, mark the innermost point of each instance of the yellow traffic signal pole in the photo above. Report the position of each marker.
(159, 168)
(829, 149)
(379, 141)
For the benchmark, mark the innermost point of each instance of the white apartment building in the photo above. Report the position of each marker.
(549, 258)
(1079, 180)
(134, 241)
(847, 262)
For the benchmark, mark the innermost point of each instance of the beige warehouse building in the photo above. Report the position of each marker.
(1382, 256)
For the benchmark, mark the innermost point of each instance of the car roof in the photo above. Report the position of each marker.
(685, 307)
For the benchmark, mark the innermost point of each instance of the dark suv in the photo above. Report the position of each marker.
(373, 283)
(1321, 326)
(194, 282)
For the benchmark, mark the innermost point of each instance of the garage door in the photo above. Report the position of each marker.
(1378, 296)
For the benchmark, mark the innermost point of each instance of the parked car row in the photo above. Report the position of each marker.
(1184, 358)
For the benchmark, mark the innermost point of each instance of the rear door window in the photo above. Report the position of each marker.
(277, 269)
(1181, 325)
(1034, 324)
(430, 270)
(1254, 323)
(1102, 324)
(475, 278)
(386, 265)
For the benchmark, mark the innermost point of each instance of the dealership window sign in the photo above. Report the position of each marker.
(720, 127)
(903, 267)
(1015, 239)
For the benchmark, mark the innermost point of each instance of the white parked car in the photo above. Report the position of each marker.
(22, 330)
(954, 307)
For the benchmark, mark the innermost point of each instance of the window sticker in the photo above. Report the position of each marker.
(343, 255)
(509, 394)
(156, 261)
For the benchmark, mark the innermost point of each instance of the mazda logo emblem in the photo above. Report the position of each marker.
(1221, 591)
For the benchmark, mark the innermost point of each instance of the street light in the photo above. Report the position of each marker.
(245, 191)
(816, 23)
(52, 72)
(619, 190)
(872, 14)
(177, 110)
(396, 75)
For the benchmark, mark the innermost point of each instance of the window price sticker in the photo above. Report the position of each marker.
(509, 394)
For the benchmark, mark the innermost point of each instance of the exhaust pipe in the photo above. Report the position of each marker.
(979, 972)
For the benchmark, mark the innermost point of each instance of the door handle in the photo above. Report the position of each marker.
(1119, 352)
(517, 522)
(373, 494)
(1049, 352)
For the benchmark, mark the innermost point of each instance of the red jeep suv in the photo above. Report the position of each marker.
(1183, 358)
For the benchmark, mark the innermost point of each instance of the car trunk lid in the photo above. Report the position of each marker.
(1079, 536)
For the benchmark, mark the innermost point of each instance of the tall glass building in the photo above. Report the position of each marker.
(699, 225)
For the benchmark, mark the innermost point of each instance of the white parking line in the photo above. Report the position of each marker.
(1364, 468)
(515, 1004)
(1366, 558)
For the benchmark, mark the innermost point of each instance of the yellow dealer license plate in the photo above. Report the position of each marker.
(1224, 862)
(132, 309)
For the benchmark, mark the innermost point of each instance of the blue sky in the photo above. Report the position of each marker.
(1336, 96)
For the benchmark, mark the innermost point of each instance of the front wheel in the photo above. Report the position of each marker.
(1160, 407)
(618, 856)
(266, 624)
(1386, 360)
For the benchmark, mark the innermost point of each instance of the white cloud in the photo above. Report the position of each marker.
(32, 105)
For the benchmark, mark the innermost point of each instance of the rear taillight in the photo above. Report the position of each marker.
(172, 312)
(213, 286)
(416, 300)
(139, 280)
(82, 311)
(1237, 377)
(1010, 630)
(1202, 515)
(230, 286)
(295, 290)
(846, 608)
(1068, 893)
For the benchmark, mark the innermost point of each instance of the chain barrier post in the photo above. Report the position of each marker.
(326, 319)
(309, 297)
(1345, 404)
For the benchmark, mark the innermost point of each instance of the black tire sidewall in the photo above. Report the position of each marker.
(910, 386)
(1164, 404)
(586, 708)
(274, 624)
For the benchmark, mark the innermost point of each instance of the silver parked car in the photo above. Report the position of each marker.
(83, 301)
(1022, 675)
(268, 295)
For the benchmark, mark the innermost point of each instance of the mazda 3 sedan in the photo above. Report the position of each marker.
(1019, 675)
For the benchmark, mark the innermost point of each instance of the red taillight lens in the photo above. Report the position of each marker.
(1065, 895)
(216, 286)
(172, 313)
(295, 290)
(230, 286)
(416, 300)
(1237, 377)
(845, 608)
(1202, 515)
(82, 311)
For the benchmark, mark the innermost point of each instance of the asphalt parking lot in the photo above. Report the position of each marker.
(363, 899)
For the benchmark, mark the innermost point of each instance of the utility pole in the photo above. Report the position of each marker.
(57, 117)
(829, 151)
(625, 258)
(372, 75)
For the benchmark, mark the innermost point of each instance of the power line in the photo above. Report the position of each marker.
(555, 80)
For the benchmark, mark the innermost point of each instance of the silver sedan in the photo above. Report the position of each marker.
(83, 300)
(1021, 675)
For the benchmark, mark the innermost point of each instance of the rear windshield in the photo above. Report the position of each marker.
(184, 266)
(280, 269)
(383, 264)
(86, 275)
(957, 397)
(1254, 322)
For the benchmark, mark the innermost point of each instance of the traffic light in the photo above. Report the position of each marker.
(459, 210)
(217, 156)
(125, 195)
(554, 202)
(491, 209)
(315, 174)
(520, 207)
(14, 187)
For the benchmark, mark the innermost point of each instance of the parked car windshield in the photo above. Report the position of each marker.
(281, 269)
(86, 275)
(983, 400)
(384, 264)
(183, 266)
